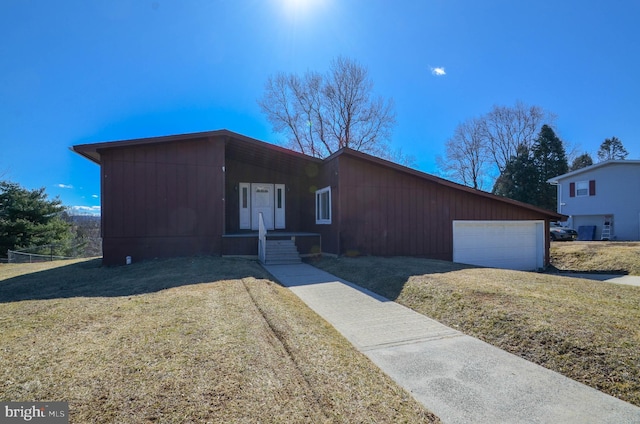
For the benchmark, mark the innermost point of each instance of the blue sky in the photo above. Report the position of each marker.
(88, 71)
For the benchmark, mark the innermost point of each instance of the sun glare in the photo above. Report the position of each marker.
(299, 8)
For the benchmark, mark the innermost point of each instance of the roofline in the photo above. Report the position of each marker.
(442, 181)
(91, 151)
(555, 180)
(84, 154)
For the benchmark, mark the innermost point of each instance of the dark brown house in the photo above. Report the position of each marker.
(204, 194)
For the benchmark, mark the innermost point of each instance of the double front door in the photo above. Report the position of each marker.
(265, 198)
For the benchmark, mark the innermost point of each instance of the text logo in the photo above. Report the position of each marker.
(34, 412)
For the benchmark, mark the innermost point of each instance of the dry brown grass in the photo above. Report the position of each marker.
(596, 256)
(586, 330)
(185, 341)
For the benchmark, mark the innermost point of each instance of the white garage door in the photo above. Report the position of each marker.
(500, 244)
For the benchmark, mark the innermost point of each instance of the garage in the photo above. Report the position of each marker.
(516, 245)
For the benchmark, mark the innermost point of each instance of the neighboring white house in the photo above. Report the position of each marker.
(605, 196)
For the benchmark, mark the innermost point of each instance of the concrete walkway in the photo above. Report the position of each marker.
(459, 378)
(630, 280)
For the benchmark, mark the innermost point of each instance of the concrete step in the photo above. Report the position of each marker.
(281, 252)
(282, 261)
(280, 247)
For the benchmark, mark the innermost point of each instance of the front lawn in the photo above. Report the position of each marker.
(596, 256)
(587, 330)
(182, 341)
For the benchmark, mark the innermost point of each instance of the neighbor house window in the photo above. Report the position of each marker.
(582, 188)
(323, 206)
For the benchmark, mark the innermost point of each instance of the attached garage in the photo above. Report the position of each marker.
(500, 244)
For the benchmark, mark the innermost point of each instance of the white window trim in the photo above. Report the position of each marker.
(582, 185)
(244, 191)
(319, 197)
(279, 212)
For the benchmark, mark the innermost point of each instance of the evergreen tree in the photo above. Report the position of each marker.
(518, 180)
(612, 149)
(581, 161)
(28, 218)
(525, 175)
(549, 160)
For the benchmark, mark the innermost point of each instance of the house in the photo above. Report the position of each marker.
(207, 193)
(602, 200)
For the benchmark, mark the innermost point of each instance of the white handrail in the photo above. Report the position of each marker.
(262, 239)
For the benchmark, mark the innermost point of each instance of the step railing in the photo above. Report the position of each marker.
(262, 239)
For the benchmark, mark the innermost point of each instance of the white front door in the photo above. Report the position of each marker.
(262, 197)
(262, 200)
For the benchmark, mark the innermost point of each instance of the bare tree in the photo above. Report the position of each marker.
(506, 128)
(321, 114)
(482, 147)
(466, 155)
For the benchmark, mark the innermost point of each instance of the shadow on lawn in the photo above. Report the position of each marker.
(91, 279)
(551, 269)
(384, 276)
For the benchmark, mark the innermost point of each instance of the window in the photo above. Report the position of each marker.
(245, 197)
(323, 206)
(280, 206)
(245, 206)
(582, 188)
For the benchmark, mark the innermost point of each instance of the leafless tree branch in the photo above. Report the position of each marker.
(324, 113)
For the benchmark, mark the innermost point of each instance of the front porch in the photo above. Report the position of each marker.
(245, 244)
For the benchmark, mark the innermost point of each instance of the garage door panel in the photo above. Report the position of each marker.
(499, 244)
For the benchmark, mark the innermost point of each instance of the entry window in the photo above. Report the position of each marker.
(245, 197)
(280, 207)
(582, 188)
(245, 206)
(323, 206)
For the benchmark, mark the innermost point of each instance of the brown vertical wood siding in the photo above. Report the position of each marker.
(388, 212)
(179, 196)
(328, 176)
(162, 200)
